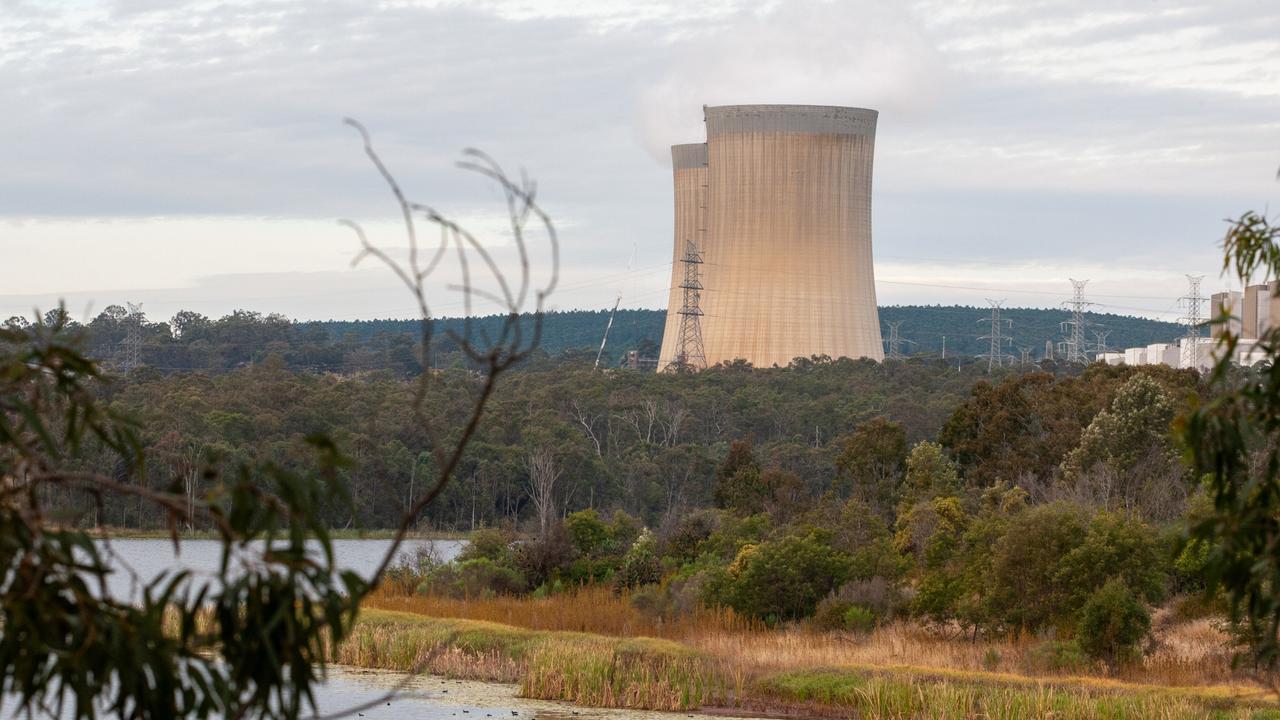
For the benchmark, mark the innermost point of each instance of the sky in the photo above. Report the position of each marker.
(192, 155)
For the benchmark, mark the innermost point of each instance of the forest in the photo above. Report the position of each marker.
(125, 337)
(844, 494)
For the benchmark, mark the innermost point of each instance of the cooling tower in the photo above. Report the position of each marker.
(689, 170)
(786, 238)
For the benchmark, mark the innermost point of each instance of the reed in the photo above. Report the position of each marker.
(900, 696)
(600, 671)
(593, 609)
(658, 674)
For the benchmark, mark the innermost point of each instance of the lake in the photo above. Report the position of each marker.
(142, 560)
(427, 697)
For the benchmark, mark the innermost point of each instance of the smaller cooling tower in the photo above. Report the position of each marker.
(785, 200)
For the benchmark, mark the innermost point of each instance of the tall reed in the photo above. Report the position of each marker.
(593, 608)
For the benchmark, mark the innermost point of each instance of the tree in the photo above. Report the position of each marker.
(930, 474)
(544, 473)
(871, 463)
(1234, 441)
(784, 579)
(1112, 623)
(739, 487)
(252, 641)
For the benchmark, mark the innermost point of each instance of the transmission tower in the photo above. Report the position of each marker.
(1191, 303)
(895, 341)
(131, 345)
(1048, 349)
(1074, 346)
(995, 353)
(689, 353)
(1026, 355)
(1100, 342)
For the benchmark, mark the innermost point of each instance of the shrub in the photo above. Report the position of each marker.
(1055, 656)
(876, 594)
(1115, 545)
(683, 541)
(413, 568)
(1112, 623)
(829, 614)
(640, 566)
(623, 531)
(588, 534)
(1026, 588)
(991, 660)
(542, 559)
(473, 579)
(784, 579)
(859, 619)
(488, 543)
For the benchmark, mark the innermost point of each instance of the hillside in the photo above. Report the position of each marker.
(923, 325)
(190, 341)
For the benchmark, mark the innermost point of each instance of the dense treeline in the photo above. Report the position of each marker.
(191, 341)
(646, 443)
(1043, 497)
(1039, 502)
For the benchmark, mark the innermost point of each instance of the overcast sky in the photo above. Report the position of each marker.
(191, 154)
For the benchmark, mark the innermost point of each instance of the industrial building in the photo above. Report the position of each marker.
(1251, 314)
(772, 256)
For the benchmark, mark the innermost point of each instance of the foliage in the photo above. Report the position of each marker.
(251, 640)
(640, 566)
(190, 341)
(475, 578)
(739, 486)
(1115, 545)
(784, 579)
(1112, 623)
(871, 463)
(244, 641)
(930, 474)
(492, 544)
(1233, 440)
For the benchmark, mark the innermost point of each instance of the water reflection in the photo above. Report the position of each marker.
(141, 560)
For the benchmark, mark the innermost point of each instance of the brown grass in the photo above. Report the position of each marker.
(754, 672)
(1183, 653)
(594, 609)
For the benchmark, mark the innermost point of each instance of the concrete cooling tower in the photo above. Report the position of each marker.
(776, 238)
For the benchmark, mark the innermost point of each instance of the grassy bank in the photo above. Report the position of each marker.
(1185, 652)
(594, 670)
(657, 674)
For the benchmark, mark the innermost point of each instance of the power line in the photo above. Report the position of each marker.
(689, 352)
(1191, 302)
(1100, 341)
(995, 353)
(1074, 345)
(895, 341)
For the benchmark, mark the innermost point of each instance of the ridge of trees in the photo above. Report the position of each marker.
(190, 341)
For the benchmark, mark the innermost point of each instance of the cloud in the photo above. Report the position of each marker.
(152, 140)
(858, 53)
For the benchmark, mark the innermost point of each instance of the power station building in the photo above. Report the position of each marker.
(772, 256)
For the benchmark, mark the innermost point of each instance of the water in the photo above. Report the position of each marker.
(436, 698)
(142, 560)
(363, 694)
(425, 696)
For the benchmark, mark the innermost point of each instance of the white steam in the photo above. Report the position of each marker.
(861, 53)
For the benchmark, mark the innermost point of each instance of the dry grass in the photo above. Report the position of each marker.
(595, 670)
(1184, 653)
(742, 673)
(1192, 653)
(593, 609)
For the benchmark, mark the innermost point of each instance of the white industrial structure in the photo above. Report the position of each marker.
(1253, 313)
